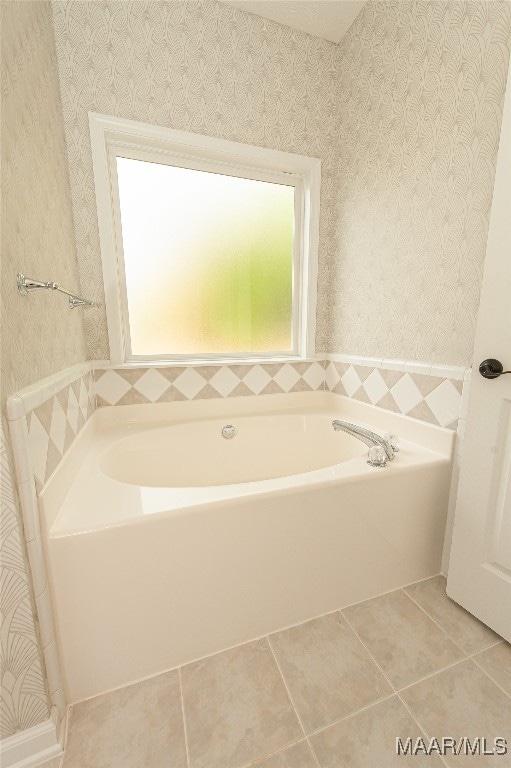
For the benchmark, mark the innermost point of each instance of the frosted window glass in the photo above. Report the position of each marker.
(208, 260)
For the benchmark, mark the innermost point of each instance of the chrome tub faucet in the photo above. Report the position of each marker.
(381, 449)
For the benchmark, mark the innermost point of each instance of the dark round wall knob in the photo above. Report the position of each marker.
(491, 368)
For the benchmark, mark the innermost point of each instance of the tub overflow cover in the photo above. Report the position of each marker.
(229, 431)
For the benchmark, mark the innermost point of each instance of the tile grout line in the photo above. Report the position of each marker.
(448, 636)
(348, 622)
(313, 752)
(267, 638)
(467, 655)
(185, 733)
(461, 661)
(419, 726)
(489, 676)
(352, 714)
(255, 763)
(292, 702)
(396, 691)
(307, 741)
(433, 674)
(334, 722)
(487, 647)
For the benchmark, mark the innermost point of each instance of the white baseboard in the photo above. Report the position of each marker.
(30, 748)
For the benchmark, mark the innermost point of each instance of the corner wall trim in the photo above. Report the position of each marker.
(30, 748)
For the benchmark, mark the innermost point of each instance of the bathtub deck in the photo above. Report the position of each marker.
(82, 498)
(332, 692)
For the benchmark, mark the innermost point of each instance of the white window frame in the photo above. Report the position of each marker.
(113, 137)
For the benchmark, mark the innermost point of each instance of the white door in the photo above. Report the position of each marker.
(479, 575)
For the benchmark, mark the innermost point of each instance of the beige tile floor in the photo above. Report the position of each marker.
(334, 692)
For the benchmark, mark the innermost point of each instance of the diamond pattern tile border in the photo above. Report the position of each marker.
(434, 399)
(53, 425)
(158, 385)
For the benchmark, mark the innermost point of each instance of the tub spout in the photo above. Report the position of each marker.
(369, 438)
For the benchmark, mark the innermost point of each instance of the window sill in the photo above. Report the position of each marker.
(216, 361)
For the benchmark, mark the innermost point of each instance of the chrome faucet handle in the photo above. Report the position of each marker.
(392, 440)
(376, 456)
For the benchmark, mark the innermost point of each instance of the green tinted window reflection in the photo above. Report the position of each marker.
(208, 260)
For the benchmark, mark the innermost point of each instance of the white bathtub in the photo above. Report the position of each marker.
(166, 542)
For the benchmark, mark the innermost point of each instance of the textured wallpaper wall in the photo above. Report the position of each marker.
(405, 116)
(39, 335)
(421, 89)
(24, 699)
(196, 66)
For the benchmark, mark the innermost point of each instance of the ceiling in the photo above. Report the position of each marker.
(329, 19)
